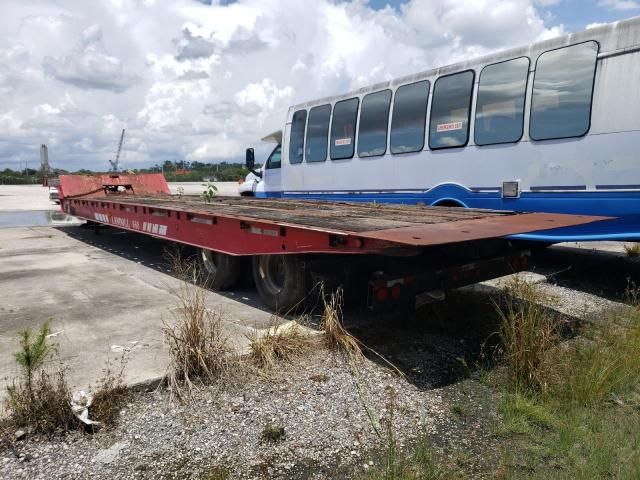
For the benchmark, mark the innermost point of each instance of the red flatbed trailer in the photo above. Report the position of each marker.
(404, 248)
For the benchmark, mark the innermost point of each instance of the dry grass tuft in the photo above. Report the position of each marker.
(282, 343)
(40, 399)
(199, 351)
(338, 338)
(45, 406)
(526, 331)
(632, 249)
(632, 294)
(111, 394)
(335, 334)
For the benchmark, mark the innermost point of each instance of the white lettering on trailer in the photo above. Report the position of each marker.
(154, 228)
(343, 141)
(120, 222)
(101, 217)
(446, 127)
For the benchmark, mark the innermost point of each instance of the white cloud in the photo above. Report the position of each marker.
(620, 4)
(90, 66)
(547, 3)
(196, 81)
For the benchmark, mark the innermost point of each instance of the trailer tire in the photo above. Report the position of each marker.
(280, 281)
(220, 271)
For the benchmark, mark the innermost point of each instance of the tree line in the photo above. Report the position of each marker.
(173, 171)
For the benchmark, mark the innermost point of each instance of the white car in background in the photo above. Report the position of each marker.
(247, 188)
(53, 194)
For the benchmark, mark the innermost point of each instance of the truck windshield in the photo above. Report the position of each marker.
(275, 158)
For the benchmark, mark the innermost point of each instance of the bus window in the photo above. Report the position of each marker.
(317, 134)
(562, 91)
(296, 140)
(450, 111)
(409, 117)
(500, 102)
(343, 127)
(374, 121)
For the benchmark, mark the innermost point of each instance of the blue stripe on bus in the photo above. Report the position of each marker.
(622, 204)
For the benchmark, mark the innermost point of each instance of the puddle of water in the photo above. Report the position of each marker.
(37, 218)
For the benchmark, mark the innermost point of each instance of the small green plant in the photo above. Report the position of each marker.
(461, 408)
(34, 350)
(273, 433)
(40, 398)
(524, 415)
(218, 473)
(420, 463)
(210, 192)
(180, 191)
(44, 407)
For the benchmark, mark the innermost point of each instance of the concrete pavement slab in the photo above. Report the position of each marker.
(99, 301)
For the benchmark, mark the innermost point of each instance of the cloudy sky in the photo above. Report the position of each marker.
(201, 80)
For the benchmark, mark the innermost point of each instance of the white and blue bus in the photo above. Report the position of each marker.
(552, 127)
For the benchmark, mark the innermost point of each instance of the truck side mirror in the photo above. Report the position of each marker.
(250, 159)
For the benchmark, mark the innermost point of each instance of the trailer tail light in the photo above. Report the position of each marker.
(519, 263)
(396, 291)
(382, 293)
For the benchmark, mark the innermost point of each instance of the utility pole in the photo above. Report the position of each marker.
(44, 164)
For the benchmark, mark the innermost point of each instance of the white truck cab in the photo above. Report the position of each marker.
(270, 178)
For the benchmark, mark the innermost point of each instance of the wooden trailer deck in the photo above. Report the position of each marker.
(252, 226)
(406, 224)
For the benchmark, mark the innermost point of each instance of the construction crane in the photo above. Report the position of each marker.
(115, 167)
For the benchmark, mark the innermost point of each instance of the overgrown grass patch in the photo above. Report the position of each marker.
(420, 462)
(581, 419)
(526, 331)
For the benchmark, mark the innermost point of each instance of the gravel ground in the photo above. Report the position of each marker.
(327, 432)
(326, 429)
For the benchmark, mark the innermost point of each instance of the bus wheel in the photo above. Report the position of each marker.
(280, 281)
(220, 271)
